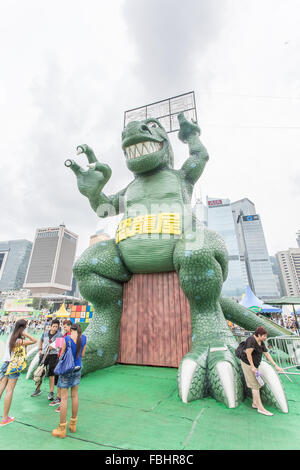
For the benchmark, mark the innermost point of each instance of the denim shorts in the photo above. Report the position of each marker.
(69, 380)
(3, 369)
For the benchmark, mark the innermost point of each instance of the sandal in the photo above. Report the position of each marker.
(267, 413)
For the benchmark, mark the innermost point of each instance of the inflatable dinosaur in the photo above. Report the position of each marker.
(159, 233)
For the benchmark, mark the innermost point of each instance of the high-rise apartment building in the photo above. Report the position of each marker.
(51, 261)
(253, 249)
(289, 263)
(220, 219)
(277, 275)
(14, 258)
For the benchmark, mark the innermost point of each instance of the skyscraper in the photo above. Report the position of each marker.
(289, 264)
(277, 275)
(200, 211)
(298, 238)
(220, 219)
(99, 236)
(253, 249)
(14, 258)
(51, 262)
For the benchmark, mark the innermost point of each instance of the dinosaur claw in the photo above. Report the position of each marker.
(92, 165)
(191, 376)
(188, 368)
(79, 150)
(274, 392)
(226, 375)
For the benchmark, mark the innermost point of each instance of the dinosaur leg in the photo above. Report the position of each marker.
(211, 367)
(101, 273)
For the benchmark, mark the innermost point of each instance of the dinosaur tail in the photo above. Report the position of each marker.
(247, 319)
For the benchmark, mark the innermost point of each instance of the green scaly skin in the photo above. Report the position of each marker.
(198, 255)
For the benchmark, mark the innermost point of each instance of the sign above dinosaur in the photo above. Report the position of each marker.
(165, 111)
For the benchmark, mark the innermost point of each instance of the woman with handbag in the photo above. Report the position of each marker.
(251, 356)
(69, 370)
(14, 362)
(67, 329)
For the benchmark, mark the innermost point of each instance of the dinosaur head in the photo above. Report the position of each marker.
(146, 146)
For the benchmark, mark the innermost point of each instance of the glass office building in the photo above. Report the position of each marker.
(253, 248)
(14, 258)
(220, 219)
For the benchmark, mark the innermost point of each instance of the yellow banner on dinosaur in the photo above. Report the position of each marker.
(164, 222)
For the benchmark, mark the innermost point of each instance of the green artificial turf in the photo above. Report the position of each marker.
(137, 407)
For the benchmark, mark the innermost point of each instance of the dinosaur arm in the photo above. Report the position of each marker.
(189, 133)
(193, 167)
(108, 206)
(247, 319)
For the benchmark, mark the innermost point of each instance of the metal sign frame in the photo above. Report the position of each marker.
(170, 108)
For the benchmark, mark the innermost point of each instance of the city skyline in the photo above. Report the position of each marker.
(109, 226)
(67, 88)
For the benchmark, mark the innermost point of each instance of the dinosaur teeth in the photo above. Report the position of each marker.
(141, 149)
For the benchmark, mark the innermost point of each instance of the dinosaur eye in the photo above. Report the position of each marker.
(153, 124)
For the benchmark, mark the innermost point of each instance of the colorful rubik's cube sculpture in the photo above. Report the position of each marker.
(81, 313)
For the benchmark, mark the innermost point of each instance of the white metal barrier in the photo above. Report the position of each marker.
(286, 352)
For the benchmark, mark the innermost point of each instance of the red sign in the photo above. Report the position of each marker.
(215, 203)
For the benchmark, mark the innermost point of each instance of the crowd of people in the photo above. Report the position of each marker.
(289, 322)
(34, 326)
(52, 346)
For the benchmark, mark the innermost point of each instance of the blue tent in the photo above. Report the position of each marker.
(255, 304)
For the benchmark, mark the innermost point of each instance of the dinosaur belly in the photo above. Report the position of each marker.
(147, 241)
(142, 254)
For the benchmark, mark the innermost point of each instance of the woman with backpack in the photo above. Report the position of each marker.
(77, 342)
(251, 355)
(8, 375)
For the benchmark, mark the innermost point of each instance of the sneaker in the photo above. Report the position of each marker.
(36, 393)
(4, 422)
(55, 402)
(51, 396)
(58, 409)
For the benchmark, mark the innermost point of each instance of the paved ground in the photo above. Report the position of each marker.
(134, 407)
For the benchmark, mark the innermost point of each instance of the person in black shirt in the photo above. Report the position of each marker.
(250, 360)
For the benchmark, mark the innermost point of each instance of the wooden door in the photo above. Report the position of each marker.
(155, 324)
